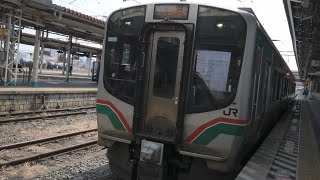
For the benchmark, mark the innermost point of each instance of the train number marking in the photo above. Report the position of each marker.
(231, 111)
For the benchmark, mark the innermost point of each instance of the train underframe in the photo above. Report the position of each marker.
(125, 163)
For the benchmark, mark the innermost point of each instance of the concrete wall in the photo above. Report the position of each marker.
(36, 99)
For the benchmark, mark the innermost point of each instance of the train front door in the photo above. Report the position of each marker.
(164, 69)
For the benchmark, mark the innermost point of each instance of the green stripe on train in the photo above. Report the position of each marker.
(211, 133)
(114, 119)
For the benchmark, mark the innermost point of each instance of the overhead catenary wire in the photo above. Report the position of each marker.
(73, 1)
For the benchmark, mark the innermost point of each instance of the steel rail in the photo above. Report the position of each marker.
(48, 139)
(46, 111)
(41, 117)
(48, 154)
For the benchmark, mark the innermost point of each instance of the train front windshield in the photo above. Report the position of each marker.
(220, 41)
(218, 52)
(122, 52)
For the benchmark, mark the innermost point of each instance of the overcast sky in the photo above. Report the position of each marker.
(271, 14)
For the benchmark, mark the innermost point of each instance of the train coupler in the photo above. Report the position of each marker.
(157, 161)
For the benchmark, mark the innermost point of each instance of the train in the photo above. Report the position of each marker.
(187, 87)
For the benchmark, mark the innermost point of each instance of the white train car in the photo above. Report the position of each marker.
(184, 86)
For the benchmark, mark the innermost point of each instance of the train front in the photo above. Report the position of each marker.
(169, 87)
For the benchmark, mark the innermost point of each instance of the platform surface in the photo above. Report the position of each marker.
(291, 150)
(309, 151)
(46, 90)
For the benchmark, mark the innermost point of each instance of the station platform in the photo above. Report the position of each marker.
(292, 149)
(55, 78)
(51, 91)
(61, 83)
(39, 90)
(63, 77)
(19, 99)
(58, 80)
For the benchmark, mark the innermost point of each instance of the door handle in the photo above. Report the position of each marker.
(176, 100)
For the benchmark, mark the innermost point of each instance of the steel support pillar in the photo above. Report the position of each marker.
(89, 65)
(307, 63)
(11, 25)
(7, 50)
(64, 59)
(98, 58)
(2, 45)
(34, 80)
(41, 57)
(41, 52)
(68, 59)
(64, 62)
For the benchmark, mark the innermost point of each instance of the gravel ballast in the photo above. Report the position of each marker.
(30, 130)
(87, 163)
(94, 167)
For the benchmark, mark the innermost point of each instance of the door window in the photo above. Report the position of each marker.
(166, 67)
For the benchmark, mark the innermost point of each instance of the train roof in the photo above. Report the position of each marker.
(231, 8)
(260, 26)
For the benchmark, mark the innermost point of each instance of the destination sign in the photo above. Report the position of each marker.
(171, 11)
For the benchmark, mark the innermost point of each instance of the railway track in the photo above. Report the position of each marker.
(43, 114)
(47, 154)
(45, 111)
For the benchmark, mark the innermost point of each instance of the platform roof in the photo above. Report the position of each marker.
(304, 23)
(47, 16)
(57, 44)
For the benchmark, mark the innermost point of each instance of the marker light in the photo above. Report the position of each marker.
(220, 25)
